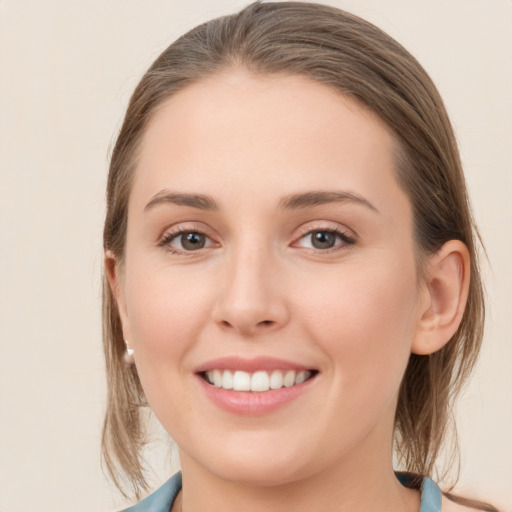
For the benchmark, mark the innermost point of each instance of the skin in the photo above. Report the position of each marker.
(259, 287)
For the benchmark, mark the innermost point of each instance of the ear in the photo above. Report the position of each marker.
(113, 273)
(443, 299)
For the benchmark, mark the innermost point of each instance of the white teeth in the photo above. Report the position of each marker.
(227, 380)
(276, 380)
(242, 381)
(301, 377)
(217, 378)
(259, 381)
(289, 379)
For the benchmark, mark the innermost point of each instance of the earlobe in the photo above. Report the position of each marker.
(446, 290)
(112, 273)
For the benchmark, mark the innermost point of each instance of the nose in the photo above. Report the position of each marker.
(252, 295)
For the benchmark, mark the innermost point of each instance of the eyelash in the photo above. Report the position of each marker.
(346, 240)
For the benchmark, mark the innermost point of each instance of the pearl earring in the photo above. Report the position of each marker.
(128, 355)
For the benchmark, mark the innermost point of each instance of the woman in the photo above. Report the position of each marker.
(291, 273)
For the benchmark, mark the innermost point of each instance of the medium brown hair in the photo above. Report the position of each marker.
(360, 61)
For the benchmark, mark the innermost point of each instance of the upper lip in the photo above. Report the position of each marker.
(250, 365)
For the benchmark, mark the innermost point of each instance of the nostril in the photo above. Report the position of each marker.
(247, 328)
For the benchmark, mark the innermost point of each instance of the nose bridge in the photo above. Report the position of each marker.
(250, 298)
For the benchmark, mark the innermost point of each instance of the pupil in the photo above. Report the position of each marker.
(323, 240)
(193, 241)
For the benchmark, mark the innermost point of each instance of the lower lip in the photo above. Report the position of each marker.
(252, 403)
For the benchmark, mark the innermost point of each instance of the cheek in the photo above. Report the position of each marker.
(364, 321)
(167, 311)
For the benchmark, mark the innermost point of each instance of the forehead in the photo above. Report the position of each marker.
(250, 133)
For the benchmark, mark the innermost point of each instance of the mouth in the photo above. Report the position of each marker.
(259, 381)
(255, 386)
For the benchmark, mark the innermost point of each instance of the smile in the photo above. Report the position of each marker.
(255, 386)
(259, 381)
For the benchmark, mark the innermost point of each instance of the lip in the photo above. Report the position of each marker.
(249, 403)
(250, 365)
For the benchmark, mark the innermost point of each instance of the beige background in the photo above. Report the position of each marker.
(67, 68)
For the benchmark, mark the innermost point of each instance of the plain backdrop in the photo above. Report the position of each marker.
(67, 68)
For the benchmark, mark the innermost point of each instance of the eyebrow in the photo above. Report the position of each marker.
(290, 202)
(199, 201)
(320, 197)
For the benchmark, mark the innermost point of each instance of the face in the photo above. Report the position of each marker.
(270, 250)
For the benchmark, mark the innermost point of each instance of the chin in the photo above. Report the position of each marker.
(255, 461)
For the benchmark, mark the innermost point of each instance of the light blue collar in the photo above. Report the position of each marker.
(162, 499)
(430, 493)
(430, 496)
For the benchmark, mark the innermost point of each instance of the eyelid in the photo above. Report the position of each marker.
(324, 226)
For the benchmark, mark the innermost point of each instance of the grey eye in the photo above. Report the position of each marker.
(188, 241)
(191, 241)
(323, 239)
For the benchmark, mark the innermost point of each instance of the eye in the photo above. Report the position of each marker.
(324, 239)
(186, 241)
